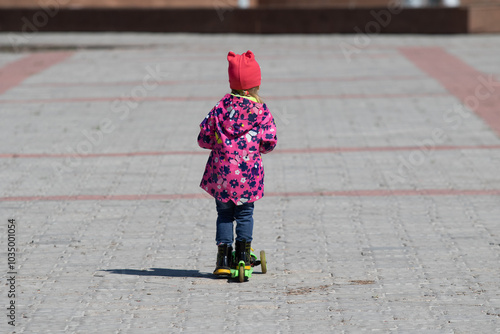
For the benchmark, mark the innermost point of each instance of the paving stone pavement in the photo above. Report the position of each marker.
(383, 195)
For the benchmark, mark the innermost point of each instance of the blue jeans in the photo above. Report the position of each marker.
(227, 213)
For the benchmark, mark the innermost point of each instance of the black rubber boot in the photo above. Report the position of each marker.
(224, 257)
(242, 253)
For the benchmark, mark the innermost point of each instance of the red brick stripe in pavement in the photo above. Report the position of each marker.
(339, 193)
(479, 91)
(14, 73)
(313, 150)
(211, 82)
(216, 98)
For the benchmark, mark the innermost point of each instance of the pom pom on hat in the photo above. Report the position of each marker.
(243, 70)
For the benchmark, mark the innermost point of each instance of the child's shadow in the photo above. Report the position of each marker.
(163, 272)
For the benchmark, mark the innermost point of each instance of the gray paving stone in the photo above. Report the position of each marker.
(336, 264)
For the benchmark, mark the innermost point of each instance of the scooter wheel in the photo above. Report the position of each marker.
(241, 273)
(263, 263)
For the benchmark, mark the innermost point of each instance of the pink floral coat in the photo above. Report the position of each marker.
(237, 130)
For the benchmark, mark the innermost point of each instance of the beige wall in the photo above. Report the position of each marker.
(479, 2)
(484, 19)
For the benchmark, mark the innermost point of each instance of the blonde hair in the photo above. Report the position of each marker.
(253, 92)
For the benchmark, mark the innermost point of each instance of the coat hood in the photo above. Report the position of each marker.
(237, 131)
(239, 115)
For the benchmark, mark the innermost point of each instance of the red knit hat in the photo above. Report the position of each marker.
(244, 71)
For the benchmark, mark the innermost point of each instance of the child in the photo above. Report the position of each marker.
(237, 130)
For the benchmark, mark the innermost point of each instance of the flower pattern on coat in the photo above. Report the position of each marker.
(237, 130)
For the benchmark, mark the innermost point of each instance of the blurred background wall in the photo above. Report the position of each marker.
(236, 3)
(241, 3)
(130, 3)
(251, 16)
